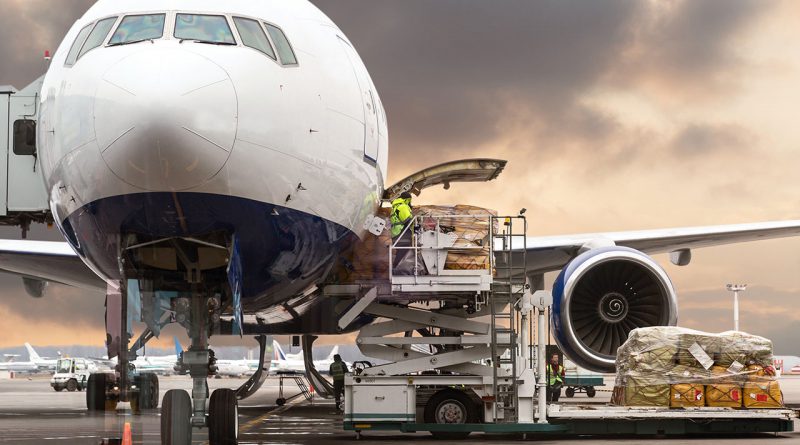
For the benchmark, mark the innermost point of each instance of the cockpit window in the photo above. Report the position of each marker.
(72, 56)
(204, 29)
(253, 36)
(282, 44)
(135, 28)
(98, 35)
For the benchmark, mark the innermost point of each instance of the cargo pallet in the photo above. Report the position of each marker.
(469, 369)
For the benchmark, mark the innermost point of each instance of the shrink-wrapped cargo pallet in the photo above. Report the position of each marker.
(677, 367)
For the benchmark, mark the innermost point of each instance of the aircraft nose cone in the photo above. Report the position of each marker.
(165, 119)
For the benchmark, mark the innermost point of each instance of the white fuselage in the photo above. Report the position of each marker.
(165, 138)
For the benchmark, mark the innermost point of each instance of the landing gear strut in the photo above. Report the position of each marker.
(105, 390)
(180, 413)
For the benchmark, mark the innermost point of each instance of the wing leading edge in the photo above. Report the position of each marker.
(47, 261)
(549, 253)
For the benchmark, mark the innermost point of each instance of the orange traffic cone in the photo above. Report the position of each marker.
(127, 437)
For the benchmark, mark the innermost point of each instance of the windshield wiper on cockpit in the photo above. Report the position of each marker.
(130, 42)
(209, 42)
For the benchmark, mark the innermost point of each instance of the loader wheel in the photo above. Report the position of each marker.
(148, 391)
(96, 392)
(450, 406)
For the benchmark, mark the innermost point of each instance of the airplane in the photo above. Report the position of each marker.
(13, 366)
(283, 363)
(208, 162)
(159, 364)
(236, 368)
(43, 363)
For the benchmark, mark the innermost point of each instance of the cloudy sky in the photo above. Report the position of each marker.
(614, 115)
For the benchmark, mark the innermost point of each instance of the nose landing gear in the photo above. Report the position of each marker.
(180, 413)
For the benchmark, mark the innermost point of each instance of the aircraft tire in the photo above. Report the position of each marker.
(147, 397)
(96, 392)
(223, 417)
(176, 413)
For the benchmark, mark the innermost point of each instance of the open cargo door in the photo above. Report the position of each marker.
(466, 170)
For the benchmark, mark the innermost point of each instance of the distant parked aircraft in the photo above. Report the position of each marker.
(159, 364)
(42, 363)
(14, 366)
(293, 363)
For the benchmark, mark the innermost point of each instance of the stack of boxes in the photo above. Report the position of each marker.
(675, 367)
(470, 224)
(368, 259)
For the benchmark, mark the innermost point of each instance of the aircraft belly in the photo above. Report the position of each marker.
(282, 251)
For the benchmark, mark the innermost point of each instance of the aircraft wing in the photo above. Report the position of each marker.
(47, 261)
(551, 253)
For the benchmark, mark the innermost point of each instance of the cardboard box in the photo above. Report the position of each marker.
(724, 395)
(764, 394)
(687, 394)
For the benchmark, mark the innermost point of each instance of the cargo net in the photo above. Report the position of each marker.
(368, 259)
(677, 367)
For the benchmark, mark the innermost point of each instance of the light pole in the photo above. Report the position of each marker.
(736, 288)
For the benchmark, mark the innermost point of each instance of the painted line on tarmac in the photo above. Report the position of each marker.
(249, 425)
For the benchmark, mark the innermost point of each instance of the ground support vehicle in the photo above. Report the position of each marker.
(72, 374)
(458, 363)
(574, 384)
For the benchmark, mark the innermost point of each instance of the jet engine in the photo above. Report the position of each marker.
(603, 294)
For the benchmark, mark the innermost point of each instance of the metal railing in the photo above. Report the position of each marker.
(431, 241)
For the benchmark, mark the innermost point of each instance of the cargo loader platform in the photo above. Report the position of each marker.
(465, 361)
(613, 420)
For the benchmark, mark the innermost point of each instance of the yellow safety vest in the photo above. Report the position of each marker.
(401, 214)
(554, 376)
(338, 370)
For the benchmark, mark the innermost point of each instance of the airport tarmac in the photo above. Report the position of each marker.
(32, 413)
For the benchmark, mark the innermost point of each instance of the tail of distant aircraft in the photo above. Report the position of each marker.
(277, 351)
(34, 357)
(334, 351)
(178, 347)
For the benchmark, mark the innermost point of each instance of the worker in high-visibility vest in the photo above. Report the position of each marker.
(337, 370)
(555, 379)
(402, 216)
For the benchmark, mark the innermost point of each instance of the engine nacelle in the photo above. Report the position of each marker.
(602, 295)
